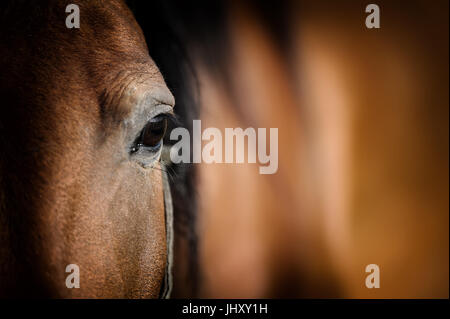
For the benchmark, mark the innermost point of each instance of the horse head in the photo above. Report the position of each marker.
(82, 120)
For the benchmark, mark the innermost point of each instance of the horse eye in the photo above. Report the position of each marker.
(154, 132)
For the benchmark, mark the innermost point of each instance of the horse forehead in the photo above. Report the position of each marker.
(109, 26)
(113, 48)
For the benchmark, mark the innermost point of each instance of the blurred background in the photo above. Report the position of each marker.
(362, 118)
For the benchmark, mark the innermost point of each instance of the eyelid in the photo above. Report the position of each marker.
(170, 116)
(159, 110)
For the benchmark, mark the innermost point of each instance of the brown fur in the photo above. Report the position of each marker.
(69, 192)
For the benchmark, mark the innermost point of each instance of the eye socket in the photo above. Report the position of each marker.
(152, 134)
(154, 131)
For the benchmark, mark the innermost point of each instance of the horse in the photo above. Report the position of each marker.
(83, 118)
(363, 149)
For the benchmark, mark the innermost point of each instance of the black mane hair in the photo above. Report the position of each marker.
(170, 29)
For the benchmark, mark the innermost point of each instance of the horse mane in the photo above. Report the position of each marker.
(171, 29)
(168, 32)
